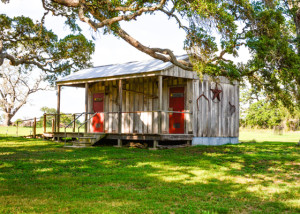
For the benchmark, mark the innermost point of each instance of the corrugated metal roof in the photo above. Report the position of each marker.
(120, 69)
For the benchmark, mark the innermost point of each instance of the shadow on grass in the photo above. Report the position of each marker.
(234, 178)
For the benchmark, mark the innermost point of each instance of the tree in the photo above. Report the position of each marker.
(274, 42)
(64, 118)
(15, 88)
(215, 29)
(30, 45)
(264, 115)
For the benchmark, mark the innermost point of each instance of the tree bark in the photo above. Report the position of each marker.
(7, 120)
(297, 23)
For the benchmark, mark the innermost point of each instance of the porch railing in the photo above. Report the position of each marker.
(141, 122)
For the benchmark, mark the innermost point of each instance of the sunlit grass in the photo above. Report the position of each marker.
(9, 131)
(43, 177)
(262, 135)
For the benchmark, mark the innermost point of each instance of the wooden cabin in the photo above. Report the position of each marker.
(157, 101)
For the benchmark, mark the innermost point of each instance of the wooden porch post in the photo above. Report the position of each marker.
(34, 128)
(120, 112)
(58, 107)
(160, 85)
(45, 122)
(17, 128)
(74, 123)
(120, 107)
(86, 107)
(53, 125)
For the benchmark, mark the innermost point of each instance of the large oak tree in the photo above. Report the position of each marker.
(15, 89)
(215, 29)
(31, 45)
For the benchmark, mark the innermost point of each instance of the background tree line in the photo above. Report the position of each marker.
(257, 111)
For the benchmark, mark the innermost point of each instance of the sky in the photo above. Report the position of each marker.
(153, 31)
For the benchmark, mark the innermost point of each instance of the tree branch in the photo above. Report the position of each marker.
(107, 22)
(156, 53)
(68, 3)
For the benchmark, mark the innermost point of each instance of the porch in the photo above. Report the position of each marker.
(146, 106)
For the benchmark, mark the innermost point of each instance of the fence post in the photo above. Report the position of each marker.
(17, 128)
(74, 122)
(34, 128)
(45, 122)
(53, 125)
(58, 122)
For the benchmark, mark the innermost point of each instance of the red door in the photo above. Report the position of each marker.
(98, 106)
(176, 103)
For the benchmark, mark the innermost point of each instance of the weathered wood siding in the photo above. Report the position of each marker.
(209, 119)
(216, 119)
(140, 95)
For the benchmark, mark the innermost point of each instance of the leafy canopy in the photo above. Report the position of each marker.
(30, 44)
(215, 30)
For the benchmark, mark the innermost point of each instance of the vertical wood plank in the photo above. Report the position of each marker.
(196, 114)
(226, 129)
(155, 106)
(91, 90)
(110, 123)
(120, 107)
(123, 106)
(165, 106)
(220, 104)
(175, 71)
(150, 114)
(127, 120)
(113, 102)
(199, 90)
(141, 105)
(213, 115)
(86, 106)
(131, 109)
(189, 103)
(136, 105)
(205, 110)
(237, 110)
(58, 107)
(160, 98)
(106, 106)
(233, 101)
(145, 118)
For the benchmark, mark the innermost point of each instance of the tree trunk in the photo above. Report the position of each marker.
(7, 120)
(297, 23)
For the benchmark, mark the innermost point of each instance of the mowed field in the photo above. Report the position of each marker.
(13, 131)
(260, 176)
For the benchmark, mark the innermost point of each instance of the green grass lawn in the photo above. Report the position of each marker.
(43, 177)
(25, 131)
(262, 135)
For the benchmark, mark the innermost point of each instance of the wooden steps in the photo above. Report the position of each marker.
(88, 140)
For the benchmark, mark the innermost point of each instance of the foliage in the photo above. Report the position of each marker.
(43, 177)
(264, 114)
(28, 44)
(214, 30)
(65, 119)
(272, 41)
(15, 89)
